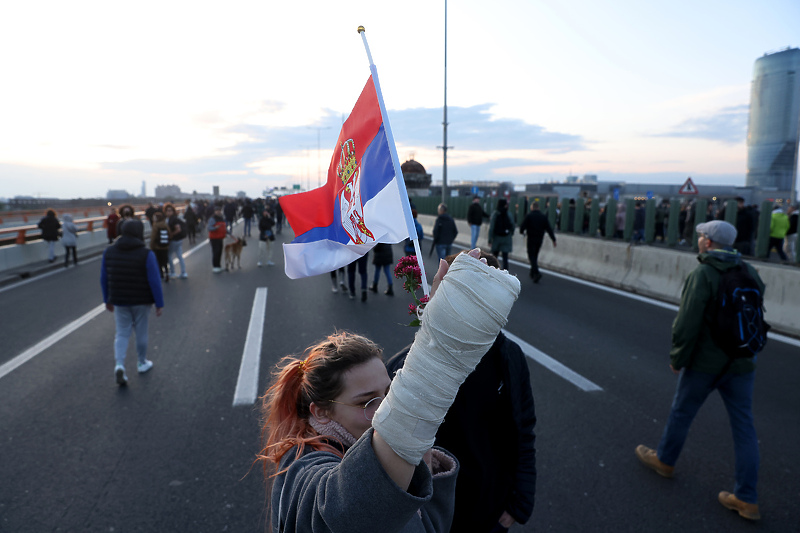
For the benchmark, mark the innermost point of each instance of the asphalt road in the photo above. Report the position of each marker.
(171, 452)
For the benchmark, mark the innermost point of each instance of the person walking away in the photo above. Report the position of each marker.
(745, 225)
(790, 247)
(50, 225)
(778, 226)
(177, 232)
(535, 225)
(278, 218)
(230, 214)
(190, 216)
(444, 232)
(703, 366)
(382, 259)
(217, 231)
(638, 223)
(619, 221)
(131, 285)
(247, 215)
(361, 264)
(475, 216)
(111, 225)
(159, 243)
(150, 212)
(265, 236)
(69, 240)
(501, 232)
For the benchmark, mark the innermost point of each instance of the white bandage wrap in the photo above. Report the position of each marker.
(459, 325)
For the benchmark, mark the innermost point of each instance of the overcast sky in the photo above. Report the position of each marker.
(104, 95)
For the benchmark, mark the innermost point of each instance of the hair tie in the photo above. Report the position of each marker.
(302, 366)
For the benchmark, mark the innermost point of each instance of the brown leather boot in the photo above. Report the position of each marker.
(650, 459)
(745, 510)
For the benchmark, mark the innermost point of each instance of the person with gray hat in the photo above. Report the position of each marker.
(131, 283)
(701, 364)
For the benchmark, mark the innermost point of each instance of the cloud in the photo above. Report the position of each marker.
(471, 129)
(728, 125)
(474, 128)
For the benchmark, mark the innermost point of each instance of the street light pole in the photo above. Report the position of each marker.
(444, 146)
(319, 162)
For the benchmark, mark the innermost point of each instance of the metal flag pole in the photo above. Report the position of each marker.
(398, 172)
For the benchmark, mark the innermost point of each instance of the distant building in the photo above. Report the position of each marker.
(168, 191)
(144, 189)
(417, 180)
(772, 135)
(117, 194)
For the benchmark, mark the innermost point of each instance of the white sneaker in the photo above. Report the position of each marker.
(144, 367)
(173, 275)
(184, 276)
(258, 264)
(119, 373)
(216, 270)
(334, 289)
(270, 263)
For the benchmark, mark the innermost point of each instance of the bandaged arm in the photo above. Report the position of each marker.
(460, 324)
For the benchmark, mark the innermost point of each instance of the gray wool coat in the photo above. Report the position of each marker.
(322, 493)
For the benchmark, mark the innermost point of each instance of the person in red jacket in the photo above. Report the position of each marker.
(216, 235)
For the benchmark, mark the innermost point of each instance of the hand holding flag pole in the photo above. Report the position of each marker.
(401, 185)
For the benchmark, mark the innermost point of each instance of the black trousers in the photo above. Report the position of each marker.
(216, 252)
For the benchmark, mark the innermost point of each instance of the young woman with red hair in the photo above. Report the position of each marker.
(350, 454)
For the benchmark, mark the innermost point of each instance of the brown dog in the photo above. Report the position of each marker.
(233, 253)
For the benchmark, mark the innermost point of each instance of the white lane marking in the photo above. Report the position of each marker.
(35, 350)
(247, 383)
(554, 366)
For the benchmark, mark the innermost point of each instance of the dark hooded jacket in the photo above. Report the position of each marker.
(490, 430)
(50, 226)
(129, 274)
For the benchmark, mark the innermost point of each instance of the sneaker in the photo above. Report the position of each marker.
(352, 296)
(389, 291)
(745, 510)
(216, 270)
(343, 286)
(119, 373)
(270, 264)
(649, 458)
(334, 289)
(144, 367)
(173, 275)
(258, 264)
(184, 276)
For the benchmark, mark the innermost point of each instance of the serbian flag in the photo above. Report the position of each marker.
(360, 204)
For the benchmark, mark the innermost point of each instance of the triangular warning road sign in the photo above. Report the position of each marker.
(688, 187)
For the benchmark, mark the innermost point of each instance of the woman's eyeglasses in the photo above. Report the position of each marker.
(369, 408)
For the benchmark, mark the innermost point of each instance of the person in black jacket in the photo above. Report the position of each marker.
(490, 430)
(131, 283)
(444, 232)
(475, 216)
(383, 259)
(50, 225)
(536, 224)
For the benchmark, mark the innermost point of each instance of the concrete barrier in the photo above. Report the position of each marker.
(18, 256)
(647, 270)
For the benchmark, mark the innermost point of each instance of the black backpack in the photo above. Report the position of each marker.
(739, 328)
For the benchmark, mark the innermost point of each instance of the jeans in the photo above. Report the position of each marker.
(737, 394)
(176, 247)
(264, 252)
(127, 316)
(475, 231)
(247, 222)
(361, 263)
(51, 251)
(387, 269)
(443, 250)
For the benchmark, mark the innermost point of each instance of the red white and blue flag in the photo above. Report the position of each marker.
(360, 205)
